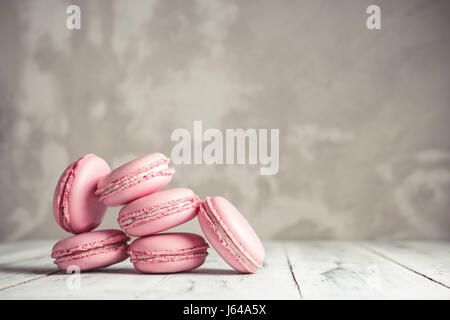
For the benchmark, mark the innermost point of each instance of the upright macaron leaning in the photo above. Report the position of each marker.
(88, 186)
(75, 207)
(231, 235)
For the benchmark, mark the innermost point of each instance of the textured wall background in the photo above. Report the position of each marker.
(363, 115)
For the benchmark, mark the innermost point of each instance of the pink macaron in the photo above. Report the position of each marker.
(91, 250)
(135, 179)
(158, 211)
(75, 206)
(231, 235)
(168, 252)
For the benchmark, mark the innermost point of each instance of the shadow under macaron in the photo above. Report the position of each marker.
(39, 271)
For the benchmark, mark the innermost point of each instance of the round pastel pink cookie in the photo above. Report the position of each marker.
(91, 250)
(168, 252)
(75, 207)
(135, 179)
(158, 211)
(231, 235)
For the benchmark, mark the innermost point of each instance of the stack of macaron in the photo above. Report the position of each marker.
(88, 186)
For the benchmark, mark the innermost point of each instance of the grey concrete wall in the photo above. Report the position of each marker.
(363, 115)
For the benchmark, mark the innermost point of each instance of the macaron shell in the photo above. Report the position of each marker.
(130, 167)
(165, 222)
(241, 231)
(143, 188)
(170, 267)
(84, 209)
(167, 241)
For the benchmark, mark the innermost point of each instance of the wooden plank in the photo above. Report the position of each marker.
(218, 281)
(430, 259)
(23, 262)
(323, 270)
(342, 270)
(115, 282)
(214, 280)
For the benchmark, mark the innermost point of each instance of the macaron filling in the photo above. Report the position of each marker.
(159, 168)
(85, 250)
(64, 216)
(145, 215)
(141, 256)
(226, 236)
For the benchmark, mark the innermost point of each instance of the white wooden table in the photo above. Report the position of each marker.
(293, 270)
